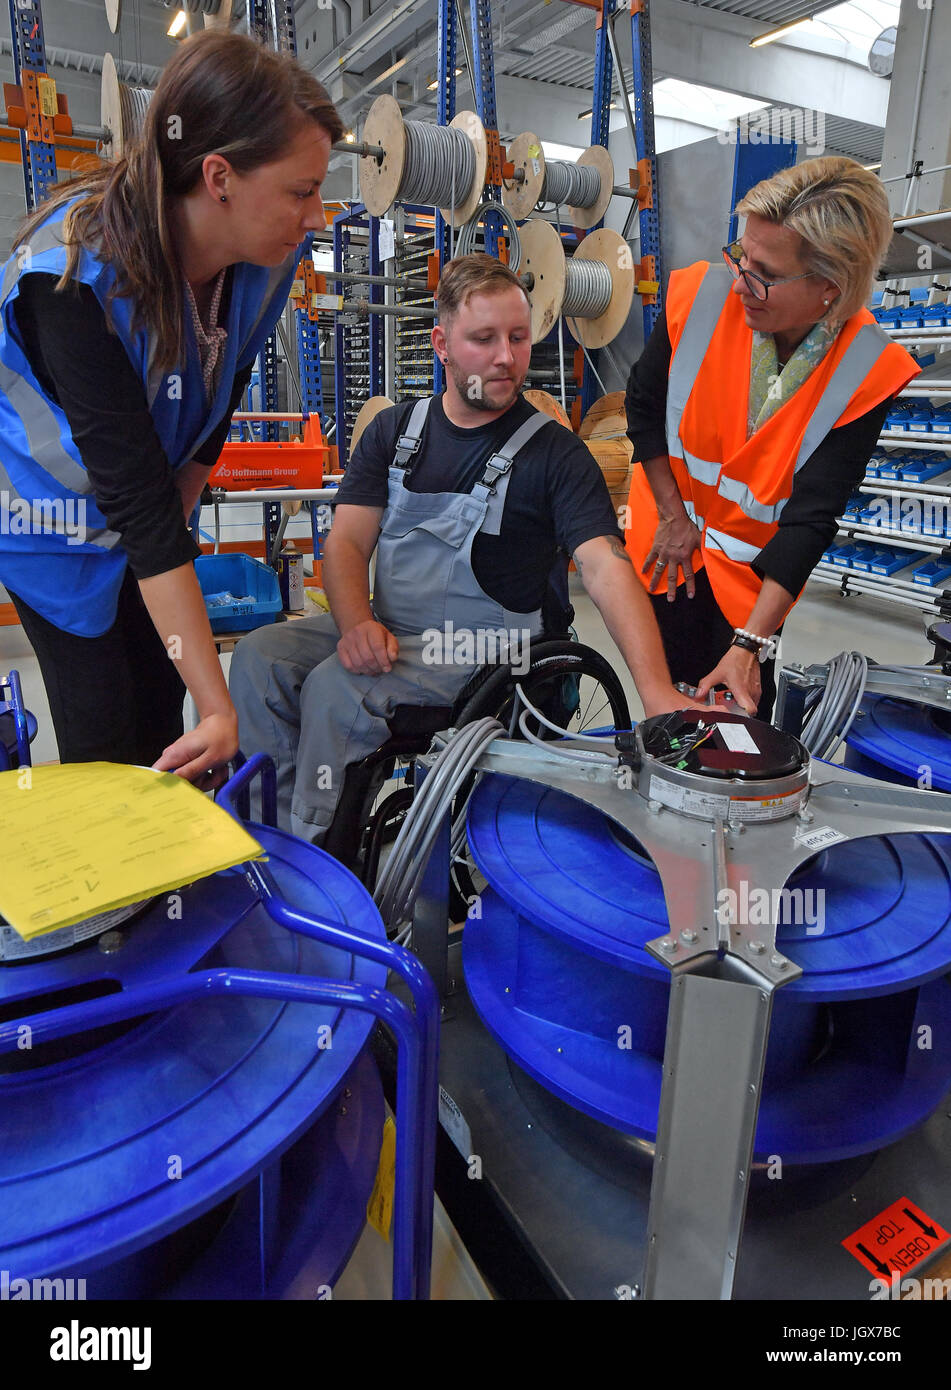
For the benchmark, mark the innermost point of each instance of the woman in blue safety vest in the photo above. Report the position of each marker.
(132, 307)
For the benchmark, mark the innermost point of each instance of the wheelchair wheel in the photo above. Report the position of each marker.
(565, 678)
(572, 685)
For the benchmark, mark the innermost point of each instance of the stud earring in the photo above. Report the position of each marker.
(825, 301)
(224, 200)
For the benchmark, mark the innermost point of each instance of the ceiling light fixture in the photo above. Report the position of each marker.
(177, 24)
(780, 33)
(583, 115)
(434, 85)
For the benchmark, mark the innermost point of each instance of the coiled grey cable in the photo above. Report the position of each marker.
(440, 165)
(468, 232)
(133, 103)
(588, 289)
(577, 185)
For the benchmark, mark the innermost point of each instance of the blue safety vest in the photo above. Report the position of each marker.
(56, 550)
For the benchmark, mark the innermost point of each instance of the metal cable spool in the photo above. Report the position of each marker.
(583, 188)
(572, 897)
(121, 109)
(593, 290)
(434, 166)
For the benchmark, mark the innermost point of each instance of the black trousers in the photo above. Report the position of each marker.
(696, 635)
(115, 698)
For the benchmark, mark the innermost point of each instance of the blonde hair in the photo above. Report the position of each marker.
(841, 212)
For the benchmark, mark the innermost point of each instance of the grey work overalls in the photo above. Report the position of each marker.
(295, 699)
(424, 577)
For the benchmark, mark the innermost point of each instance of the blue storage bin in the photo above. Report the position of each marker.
(870, 555)
(897, 417)
(935, 315)
(923, 472)
(934, 573)
(900, 560)
(245, 578)
(941, 419)
(911, 318)
(920, 417)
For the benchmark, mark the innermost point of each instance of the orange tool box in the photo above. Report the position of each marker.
(292, 463)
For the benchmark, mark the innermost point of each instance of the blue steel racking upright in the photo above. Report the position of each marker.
(445, 110)
(29, 57)
(643, 74)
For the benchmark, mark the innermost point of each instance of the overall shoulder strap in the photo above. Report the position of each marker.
(408, 442)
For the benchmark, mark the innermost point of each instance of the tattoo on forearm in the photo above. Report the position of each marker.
(578, 565)
(618, 551)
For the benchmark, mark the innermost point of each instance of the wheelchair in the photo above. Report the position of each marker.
(571, 684)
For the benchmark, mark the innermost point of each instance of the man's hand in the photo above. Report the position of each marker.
(202, 755)
(674, 544)
(739, 672)
(368, 649)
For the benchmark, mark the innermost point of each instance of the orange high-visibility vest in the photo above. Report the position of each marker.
(732, 487)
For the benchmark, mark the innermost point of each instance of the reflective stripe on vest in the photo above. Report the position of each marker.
(733, 548)
(694, 341)
(69, 573)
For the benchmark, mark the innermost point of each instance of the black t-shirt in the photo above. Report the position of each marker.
(557, 496)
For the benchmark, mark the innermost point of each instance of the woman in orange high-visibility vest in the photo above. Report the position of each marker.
(754, 408)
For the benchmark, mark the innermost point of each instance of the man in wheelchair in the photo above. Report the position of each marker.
(466, 499)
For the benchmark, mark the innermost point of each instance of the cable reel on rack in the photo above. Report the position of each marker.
(593, 290)
(583, 188)
(435, 166)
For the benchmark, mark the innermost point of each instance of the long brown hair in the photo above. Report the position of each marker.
(222, 93)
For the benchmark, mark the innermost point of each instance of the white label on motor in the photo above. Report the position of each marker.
(696, 803)
(821, 838)
(684, 799)
(738, 738)
(454, 1123)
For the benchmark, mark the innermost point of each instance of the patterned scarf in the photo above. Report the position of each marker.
(770, 386)
(210, 342)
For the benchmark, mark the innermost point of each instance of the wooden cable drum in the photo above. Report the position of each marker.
(603, 429)
(368, 411)
(542, 401)
(121, 109)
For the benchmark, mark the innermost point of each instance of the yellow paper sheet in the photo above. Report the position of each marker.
(88, 837)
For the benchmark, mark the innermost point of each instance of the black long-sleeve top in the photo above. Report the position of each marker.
(821, 488)
(83, 368)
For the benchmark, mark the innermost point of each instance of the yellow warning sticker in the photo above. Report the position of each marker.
(380, 1205)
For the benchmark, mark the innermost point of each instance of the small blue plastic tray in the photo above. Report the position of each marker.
(244, 577)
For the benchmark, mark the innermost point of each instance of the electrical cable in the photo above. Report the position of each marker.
(469, 231)
(588, 289)
(577, 185)
(440, 165)
(586, 739)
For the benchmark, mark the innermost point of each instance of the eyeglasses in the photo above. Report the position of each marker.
(757, 286)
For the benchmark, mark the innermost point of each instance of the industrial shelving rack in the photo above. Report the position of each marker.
(900, 588)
